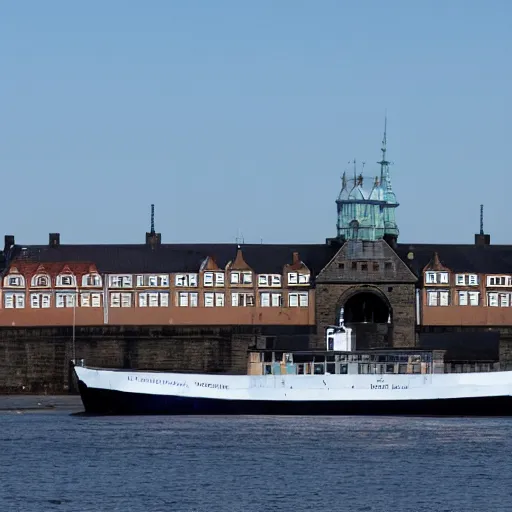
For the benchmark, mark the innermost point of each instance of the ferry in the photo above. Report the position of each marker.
(336, 381)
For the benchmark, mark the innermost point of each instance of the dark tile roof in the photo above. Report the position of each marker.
(262, 258)
(489, 259)
(168, 258)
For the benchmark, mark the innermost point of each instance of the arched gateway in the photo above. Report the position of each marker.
(368, 313)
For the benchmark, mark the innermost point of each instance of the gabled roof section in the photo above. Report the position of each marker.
(435, 264)
(296, 265)
(171, 258)
(359, 261)
(239, 263)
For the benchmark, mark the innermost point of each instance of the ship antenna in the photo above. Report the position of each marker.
(481, 219)
(152, 219)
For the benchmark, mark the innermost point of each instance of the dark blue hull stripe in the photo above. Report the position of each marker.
(101, 401)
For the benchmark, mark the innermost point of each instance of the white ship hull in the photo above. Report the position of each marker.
(138, 392)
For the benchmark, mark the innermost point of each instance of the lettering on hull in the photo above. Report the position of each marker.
(161, 382)
(386, 386)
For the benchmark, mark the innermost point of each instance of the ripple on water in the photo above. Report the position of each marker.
(57, 461)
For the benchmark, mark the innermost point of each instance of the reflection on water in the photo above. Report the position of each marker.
(53, 460)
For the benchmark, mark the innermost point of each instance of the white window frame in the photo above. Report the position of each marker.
(298, 299)
(499, 281)
(269, 280)
(66, 281)
(492, 299)
(208, 279)
(186, 280)
(293, 278)
(14, 300)
(187, 299)
(40, 300)
(65, 299)
(42, 278)
(304, 278)
(119, 281)
(209, 299)
(430, 277)
(463, 298)
(240, 277)
(438, 298)
(242, 299)
(91, 280)
(14, 281)
(271, 299)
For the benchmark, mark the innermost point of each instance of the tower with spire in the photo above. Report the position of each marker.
(368, 213)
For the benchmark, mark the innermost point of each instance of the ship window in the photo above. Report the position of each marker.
(331, 368)
(343, 369)
(319, 368)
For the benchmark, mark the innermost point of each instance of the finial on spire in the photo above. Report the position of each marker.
(152, 219)
(481, 219)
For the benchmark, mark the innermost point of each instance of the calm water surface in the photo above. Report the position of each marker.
(55, 460)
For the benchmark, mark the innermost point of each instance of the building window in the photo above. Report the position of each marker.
(88, 300)
(469, 298)
(153, 281)
(437, 277)
(41, 281)
(18, 281)
(211, 278)
(499, 281)
(466, 279)
(495, 299)
(91, 280)
(153, 299)
(438, 298)
(123, 300)
(66, 280)
(120, 281)
(242, 299)
(293, 278)
(14, 300)
(238, 277)
(64, 300)
(187, 299)
(213, 300)
(186, 280)
(39, 300)
(268, 299)
(269, 280)
(298, 300)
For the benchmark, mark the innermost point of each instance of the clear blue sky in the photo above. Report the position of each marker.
(233, 115)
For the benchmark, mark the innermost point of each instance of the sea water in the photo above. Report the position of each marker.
(55, 459)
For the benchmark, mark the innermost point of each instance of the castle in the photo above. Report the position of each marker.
(199, 306)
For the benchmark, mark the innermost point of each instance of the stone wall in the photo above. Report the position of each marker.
(37, 360)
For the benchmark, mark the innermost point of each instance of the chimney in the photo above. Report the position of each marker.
(54, 240)
(153, 239)
(482, 239)
(295, 259)
(8, 242)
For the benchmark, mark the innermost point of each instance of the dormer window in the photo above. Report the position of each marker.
(41, 281)
(153, 281)
(437, 277)
(499, 281)
(91, 280)
(298, 278)
(120, 281)
(14, 281)
(185, 280)
(466, 279)
(211, 278)
(269, 280)
(241, 277)
(66, 280)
